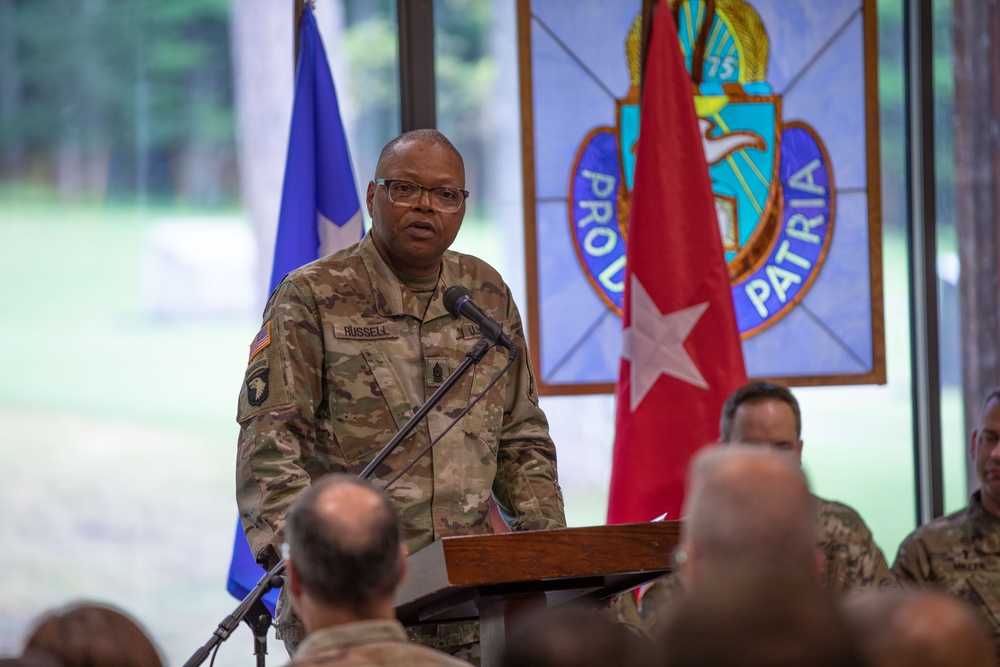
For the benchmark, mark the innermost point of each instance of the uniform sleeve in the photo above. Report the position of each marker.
(875, 572)
(657, 600)
(912, 565)
(526, 484)
(853, 559)
(867, 565)
(281, 393)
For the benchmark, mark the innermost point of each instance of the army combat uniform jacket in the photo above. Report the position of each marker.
(345, 356)
(368, 644)
(852, 561)
(958, 554)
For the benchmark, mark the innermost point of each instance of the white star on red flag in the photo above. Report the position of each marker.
(654, 343)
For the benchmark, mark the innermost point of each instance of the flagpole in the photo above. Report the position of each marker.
(298, 11)
(648, 7)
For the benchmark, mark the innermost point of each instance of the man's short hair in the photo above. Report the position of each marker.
(757, 391)
(750, 616)
(426, 135)
(919, 628)
(572, 635)
(346, 568)
(994, 394)
(737, 511)
(87, 633)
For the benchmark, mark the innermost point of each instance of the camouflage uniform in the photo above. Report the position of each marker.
(346, 355)
(368, 644)
(852, 561)
(960, 555)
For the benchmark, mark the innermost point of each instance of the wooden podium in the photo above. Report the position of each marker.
(493, 577)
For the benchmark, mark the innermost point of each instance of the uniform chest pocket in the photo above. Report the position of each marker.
(486, 418)
(367, 404)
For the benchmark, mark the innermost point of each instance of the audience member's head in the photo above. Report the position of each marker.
(757, 617)
(763, 413)
(918, 629)
(91, 635)
(345, 554)
(572, 636)
(750, 506)
(984, 450)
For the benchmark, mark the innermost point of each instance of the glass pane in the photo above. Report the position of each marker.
(136, 294)
(367, 57)
(857, 440)
(954, 439)
(479, 109)
(142, 149)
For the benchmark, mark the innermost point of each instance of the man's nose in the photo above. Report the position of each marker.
(419, 201)
(995, 451)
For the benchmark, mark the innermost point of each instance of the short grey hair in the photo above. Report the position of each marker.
(750, 504)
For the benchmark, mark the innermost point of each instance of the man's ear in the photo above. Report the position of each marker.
(687, 567)
(292, 579)
(972, 445)
(369, 197)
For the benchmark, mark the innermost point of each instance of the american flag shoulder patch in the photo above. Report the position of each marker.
(260, 341)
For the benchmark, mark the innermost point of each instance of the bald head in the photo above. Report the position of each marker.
(343, 538)
(750, 505)
(425, 135)
(918, 629)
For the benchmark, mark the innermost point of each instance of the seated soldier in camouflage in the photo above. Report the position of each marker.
(764, 413)
(753, 590)
(344, 561)
(353, 343)
(960, 553)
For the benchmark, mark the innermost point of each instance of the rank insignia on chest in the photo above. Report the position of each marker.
(256, 384)
(436, 371)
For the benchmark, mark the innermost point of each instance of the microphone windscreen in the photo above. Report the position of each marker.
(452, 296)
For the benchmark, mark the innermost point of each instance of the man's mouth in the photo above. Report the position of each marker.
(421, 229)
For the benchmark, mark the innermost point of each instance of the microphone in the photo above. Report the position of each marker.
(459, 303)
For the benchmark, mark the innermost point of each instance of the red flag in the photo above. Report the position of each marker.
(681, 353)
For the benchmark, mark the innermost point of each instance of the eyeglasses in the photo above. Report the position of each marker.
(406, 193)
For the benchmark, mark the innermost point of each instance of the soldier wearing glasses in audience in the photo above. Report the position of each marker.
(355, 342)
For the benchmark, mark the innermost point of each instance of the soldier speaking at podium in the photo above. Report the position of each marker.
(353, 343)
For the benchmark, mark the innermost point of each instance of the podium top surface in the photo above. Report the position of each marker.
(599, 560)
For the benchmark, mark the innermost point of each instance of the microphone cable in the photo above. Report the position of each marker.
(454, 421)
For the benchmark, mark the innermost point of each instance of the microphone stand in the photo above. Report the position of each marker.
(252, 610)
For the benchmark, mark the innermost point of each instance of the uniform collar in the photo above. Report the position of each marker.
(350, 634)
(390, 299)
(985, 526)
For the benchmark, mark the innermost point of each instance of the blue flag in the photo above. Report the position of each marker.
(320, 212)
